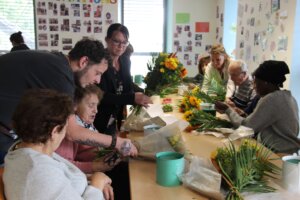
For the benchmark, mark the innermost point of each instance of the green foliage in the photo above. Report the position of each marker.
(167, 108)
(244, 168)
(206, 121)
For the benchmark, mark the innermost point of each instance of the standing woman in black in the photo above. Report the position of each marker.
(17, 42)
(118, 91)
(116, 82)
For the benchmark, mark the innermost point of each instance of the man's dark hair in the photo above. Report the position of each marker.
(39, 111)
(93, 49)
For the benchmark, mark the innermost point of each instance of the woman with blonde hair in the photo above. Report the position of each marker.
(217, 69)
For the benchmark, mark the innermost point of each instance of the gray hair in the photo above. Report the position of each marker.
(241, 64)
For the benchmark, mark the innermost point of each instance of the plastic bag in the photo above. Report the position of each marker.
(167, 138)
(136, 122)
(202, 177)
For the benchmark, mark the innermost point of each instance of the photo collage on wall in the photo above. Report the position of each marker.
(189, 39)
(60, 24)
(261, 40)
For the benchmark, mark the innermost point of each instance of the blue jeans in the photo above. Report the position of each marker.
(5, 143)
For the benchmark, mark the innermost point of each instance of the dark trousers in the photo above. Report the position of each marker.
(120, 181)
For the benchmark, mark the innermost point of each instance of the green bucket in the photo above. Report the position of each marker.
(169, 167)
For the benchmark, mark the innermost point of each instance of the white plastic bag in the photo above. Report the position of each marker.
(202, 177)
(167, 138)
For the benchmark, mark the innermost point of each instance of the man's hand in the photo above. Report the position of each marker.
(125, 147)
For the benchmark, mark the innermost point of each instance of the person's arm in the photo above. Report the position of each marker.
(206, 79)
(230, 87)
(263, 116)
(79, 134)
(49, 182)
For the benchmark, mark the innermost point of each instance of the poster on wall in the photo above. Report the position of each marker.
(60, 24)
(183, 38)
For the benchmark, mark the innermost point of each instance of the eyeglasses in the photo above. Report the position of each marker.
(118, 43)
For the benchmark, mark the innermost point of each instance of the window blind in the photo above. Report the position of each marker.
(16, 15)
(145, 20)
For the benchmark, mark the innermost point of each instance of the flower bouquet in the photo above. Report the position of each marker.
(166, 72)
(244, 168)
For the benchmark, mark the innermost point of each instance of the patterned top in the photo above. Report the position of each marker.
(243, 94)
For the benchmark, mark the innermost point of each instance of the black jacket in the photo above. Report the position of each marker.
(112, 104)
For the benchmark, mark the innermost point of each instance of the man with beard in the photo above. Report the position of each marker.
(22, 70)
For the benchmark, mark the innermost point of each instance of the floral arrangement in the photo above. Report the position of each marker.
(244, 168)
(166, 72)
(202, 121)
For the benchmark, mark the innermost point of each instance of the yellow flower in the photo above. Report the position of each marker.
(170, 63)
(196, 90)
(187, 115)
(214, 154)
(162, 70)
(193, 101)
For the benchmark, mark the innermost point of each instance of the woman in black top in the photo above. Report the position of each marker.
(116, 82)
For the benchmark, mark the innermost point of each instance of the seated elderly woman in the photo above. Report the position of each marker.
(275, 118)
(32, 169)
(86, 101)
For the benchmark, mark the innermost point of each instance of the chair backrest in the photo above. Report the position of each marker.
(2, 196)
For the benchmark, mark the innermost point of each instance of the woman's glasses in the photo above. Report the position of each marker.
(119, 43)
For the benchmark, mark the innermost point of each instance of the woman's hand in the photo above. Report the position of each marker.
(99, 180)
(108, 192)
(221, 107)
(107, 162)
(142, 99)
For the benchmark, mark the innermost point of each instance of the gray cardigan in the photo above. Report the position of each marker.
(275, 119)
(30, 175)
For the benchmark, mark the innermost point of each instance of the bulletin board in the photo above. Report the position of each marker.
(61, 23)
(195, 29)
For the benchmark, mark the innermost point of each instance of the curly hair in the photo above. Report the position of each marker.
(93, 49)
(80, 93)
(39, 112)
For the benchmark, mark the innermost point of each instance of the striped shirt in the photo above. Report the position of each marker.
(243, 94)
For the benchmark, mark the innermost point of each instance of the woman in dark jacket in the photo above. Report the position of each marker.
(116, 82)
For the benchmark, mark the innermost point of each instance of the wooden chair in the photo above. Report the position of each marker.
(2, 196)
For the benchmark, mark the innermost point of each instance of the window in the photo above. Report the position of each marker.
(11, 22)
(144, 20)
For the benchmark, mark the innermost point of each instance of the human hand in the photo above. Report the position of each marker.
(142, 99)
(229, 102)
(99, 180)
(108, 192)
(125, 147)
(240, 112)
(221, 107)
(100, 165)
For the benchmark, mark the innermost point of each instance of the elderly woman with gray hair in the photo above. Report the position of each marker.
(275, 117)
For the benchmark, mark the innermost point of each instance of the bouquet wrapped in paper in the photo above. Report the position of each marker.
(167, 138)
